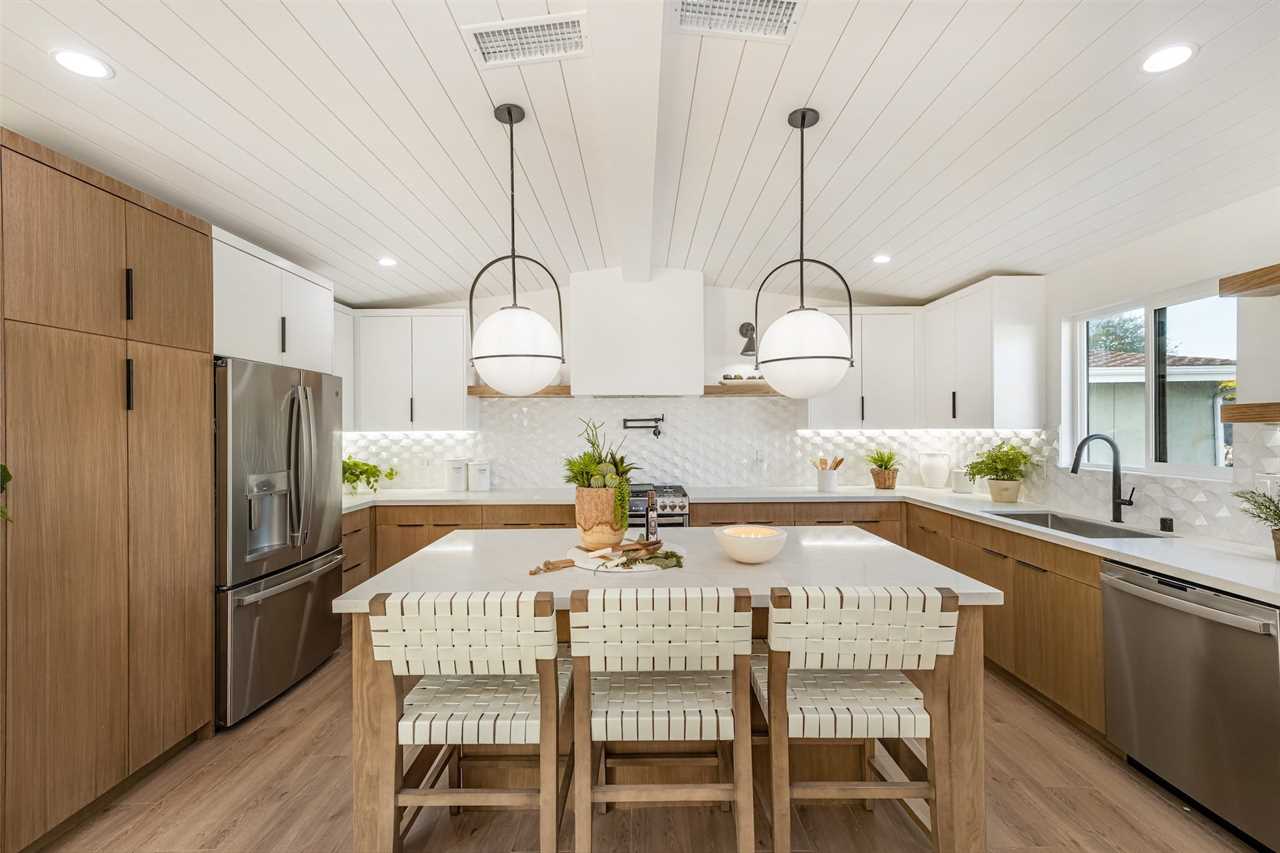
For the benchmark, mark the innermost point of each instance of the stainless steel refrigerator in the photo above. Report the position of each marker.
(279, 527)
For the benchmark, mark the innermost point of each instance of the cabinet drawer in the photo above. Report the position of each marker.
(846, 512)
(355, 548)
(1069, 563)
(888, 530)
(929, 521)
(354, 574)
(403, 516)
(421, 516)
(356, 520)
(459, 516)
(531, 515)
(718, 515)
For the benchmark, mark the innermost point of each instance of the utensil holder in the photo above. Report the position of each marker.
(827, 480)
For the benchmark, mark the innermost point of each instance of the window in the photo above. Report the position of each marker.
(1116, 383)
(1154, 378)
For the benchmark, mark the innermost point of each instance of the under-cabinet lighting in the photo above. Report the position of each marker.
(386, 261)
(882, 259)
(1167, 58)
(83, 64)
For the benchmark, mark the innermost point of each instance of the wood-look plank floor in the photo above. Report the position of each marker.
(282, 782)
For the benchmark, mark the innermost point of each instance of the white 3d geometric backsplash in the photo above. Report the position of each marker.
(753, 441)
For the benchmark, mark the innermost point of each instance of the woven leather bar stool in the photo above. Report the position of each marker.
(487, 662)
(857, 663)
(661, 665)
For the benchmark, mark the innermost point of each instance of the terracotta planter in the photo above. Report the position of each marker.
(593, 514)
(885, 479)
(1275, 540)
(1004, 491)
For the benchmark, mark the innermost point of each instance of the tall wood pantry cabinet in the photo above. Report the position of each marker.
(106, 625)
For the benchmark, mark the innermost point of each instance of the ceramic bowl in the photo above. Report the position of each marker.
(751, 543)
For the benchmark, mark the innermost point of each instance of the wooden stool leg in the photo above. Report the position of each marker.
(455, 777)
(780, 751)
(938, 755)
(868, 750)
(583, 772)
(723, 770)
(743, 801)
(548, 755)
(603, 771)
(377, 762)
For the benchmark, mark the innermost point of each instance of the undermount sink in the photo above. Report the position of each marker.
(1076, 526)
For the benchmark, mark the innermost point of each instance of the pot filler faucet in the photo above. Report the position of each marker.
(1117, 502)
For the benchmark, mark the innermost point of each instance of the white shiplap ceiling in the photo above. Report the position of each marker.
(960, 138)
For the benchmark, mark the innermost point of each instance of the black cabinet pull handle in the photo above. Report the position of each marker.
(1031, 566)
(128, 293)
(953, 405)
(284, 336)
(411, 524)
(410, 410)
(128, 384)
(862, 402)
(995, 553)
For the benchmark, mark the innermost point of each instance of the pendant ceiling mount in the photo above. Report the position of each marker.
(515, 350)
(805, 353)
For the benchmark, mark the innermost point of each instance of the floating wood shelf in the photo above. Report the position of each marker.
(549, 391)
(563, 391)
(1251, 413)
(739, 391)
(1259, 282)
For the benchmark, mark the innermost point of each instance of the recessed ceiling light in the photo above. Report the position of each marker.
(1168, 57)
(882, 259)
(83, 64)
(386, 262)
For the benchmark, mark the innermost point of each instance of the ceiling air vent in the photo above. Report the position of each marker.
(520, 41)
(763, 20)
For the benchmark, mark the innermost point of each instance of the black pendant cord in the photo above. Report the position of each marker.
(802, 215)
(511, 148)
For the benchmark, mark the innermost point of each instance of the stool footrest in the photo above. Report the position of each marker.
(861, 791)
(708, 793)
(526, 798)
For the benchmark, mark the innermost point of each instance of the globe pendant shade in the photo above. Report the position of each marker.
(516, 351)
(815, 349)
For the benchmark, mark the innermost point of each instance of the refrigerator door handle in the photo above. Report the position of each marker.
(293, 439)
(308, 426)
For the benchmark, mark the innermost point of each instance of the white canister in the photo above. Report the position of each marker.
(935, 469)
(960, 482)
(479, 474)
(827, 480)
(455, 475)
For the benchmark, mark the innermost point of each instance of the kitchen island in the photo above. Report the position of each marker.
(487, 560)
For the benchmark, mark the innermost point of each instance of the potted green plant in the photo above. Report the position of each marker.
(884, 468)
(5, 477)
(1003, 467)
(1264, 508)
(357, 473)
(603, 478)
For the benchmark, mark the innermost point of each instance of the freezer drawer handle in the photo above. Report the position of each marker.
(1212, 614)
(334, 562)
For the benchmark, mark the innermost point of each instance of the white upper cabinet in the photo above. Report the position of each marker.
(247, 295)
(268, 309)
(308, 325)
(411, 371)
(879, 391)
(344, 361)
(984, 356)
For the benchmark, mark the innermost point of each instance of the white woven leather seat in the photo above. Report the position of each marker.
(475, 709)
(846, 703)
(655, 706)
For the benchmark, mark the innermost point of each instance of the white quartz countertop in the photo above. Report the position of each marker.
(488, 560)
(1248, 571)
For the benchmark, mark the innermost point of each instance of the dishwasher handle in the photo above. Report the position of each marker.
(1212, 614)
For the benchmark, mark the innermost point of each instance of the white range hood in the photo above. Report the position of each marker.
(636, 338)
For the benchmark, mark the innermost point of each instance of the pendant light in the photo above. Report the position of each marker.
(804, 353)
(515, 351)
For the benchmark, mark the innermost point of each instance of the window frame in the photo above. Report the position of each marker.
(1079, 370)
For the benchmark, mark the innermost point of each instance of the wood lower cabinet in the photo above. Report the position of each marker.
(64, 249)
(883, 518)
(67, 603)
(171, 270)
(403, 530)
(719, 515)
(998, 625)
(929, 534)
(499, 516)
(357, 547)
(170, 435)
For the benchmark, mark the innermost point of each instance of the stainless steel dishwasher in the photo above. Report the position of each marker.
(1193, 692)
